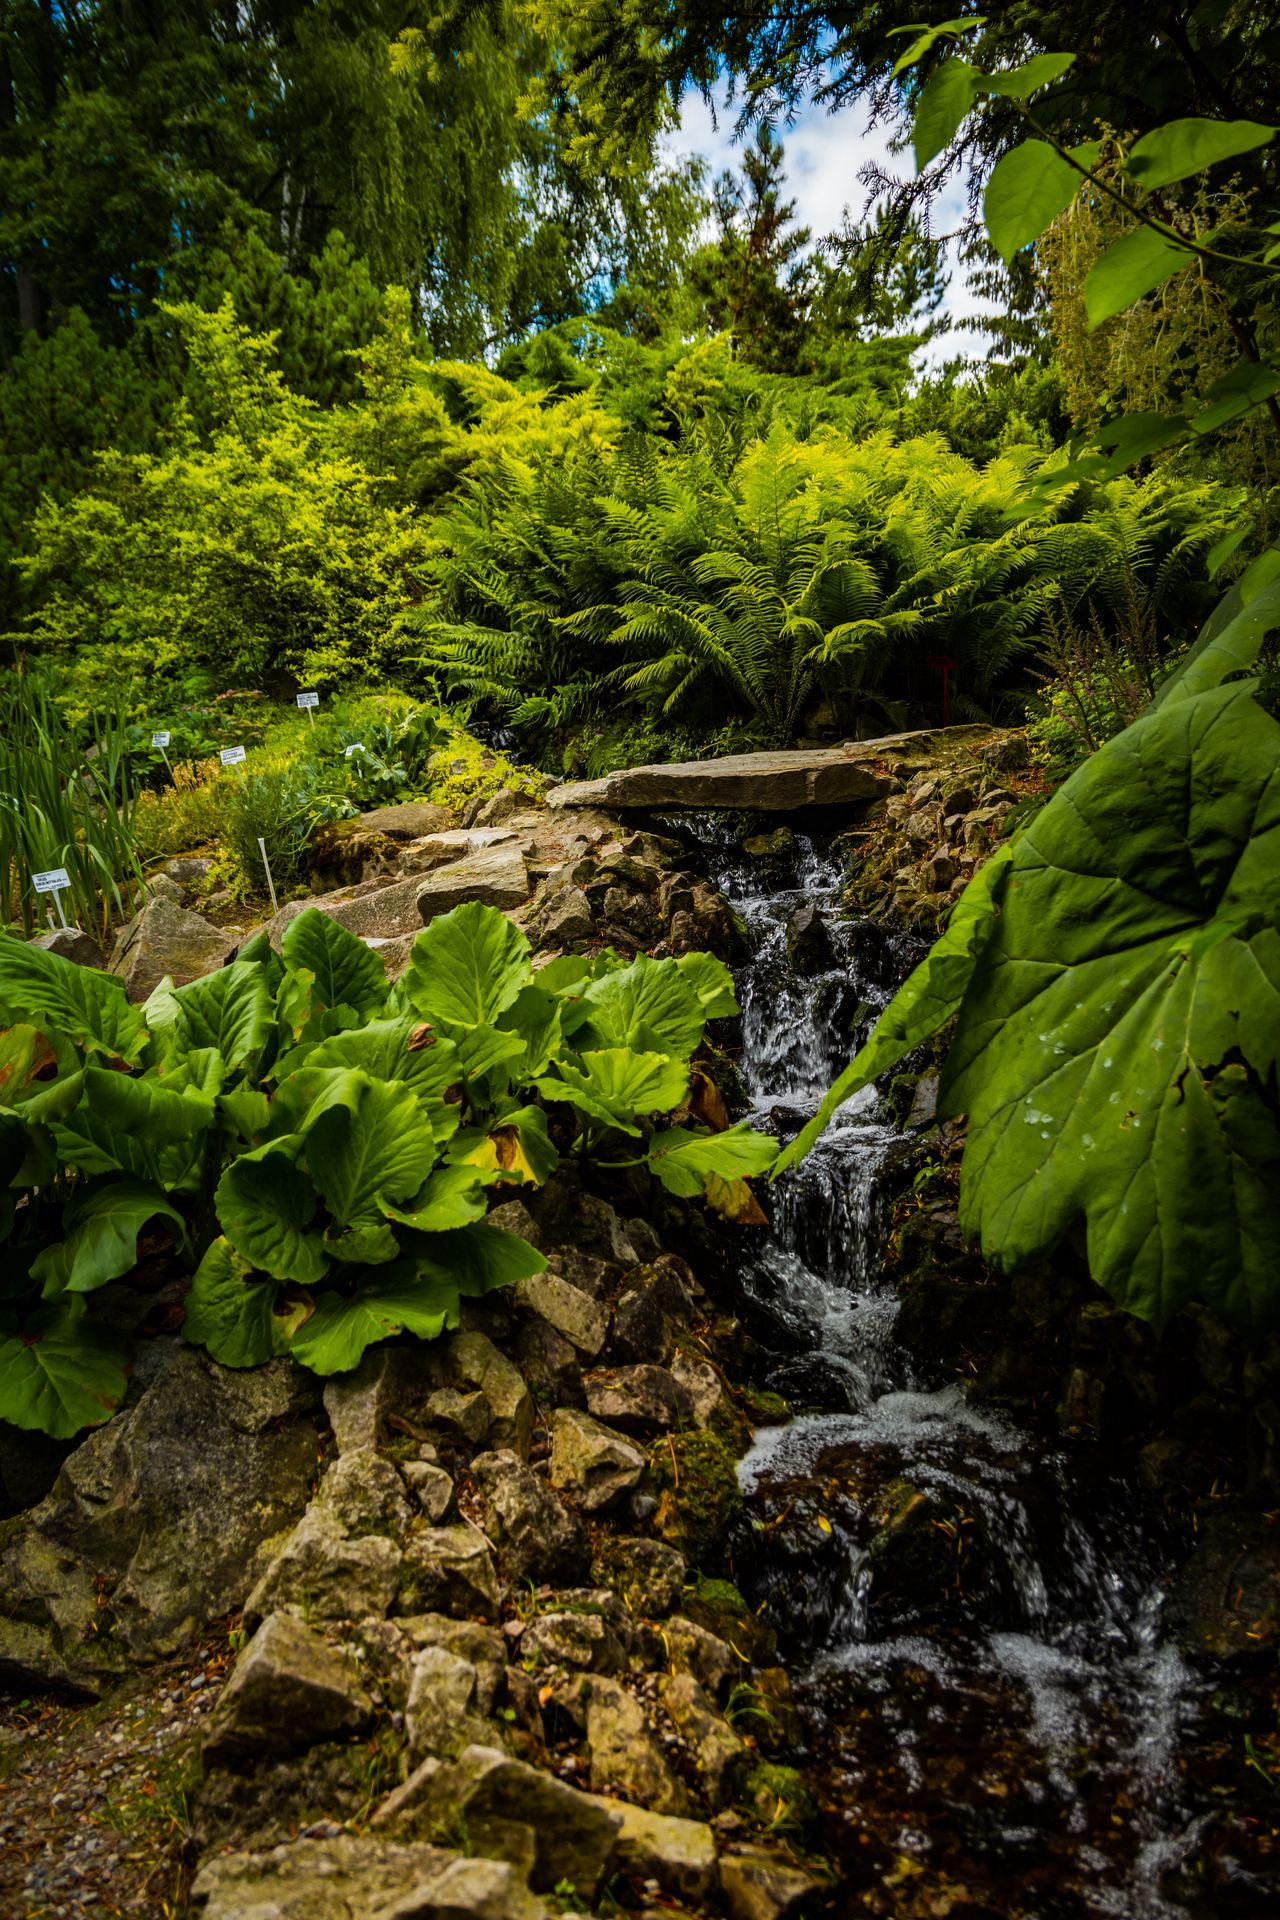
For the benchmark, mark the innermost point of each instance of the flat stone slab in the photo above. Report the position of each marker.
(780, 782)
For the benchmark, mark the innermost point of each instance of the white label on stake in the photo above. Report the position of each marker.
(53, 881)
(231, 756)
(160, 739)
(308, 699)
(356, 746)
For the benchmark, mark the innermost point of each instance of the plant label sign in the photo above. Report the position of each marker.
(160, 740)
(308, 699)
(232, 756)
(53, 880)
(355, 747)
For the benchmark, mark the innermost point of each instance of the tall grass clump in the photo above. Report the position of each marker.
(61, 807)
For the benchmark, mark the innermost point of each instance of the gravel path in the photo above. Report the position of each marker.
(93, 1797)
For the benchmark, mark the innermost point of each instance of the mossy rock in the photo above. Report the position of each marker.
(698, 1492)
(780, 1796)
(720, 1608)
(766, 1409)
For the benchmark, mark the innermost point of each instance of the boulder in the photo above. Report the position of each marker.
(496, 877)
(431, 1487)
(165, 1509)
(288, 1691)
(162, 939)
(407, 820)
(484, 1648)
(322, 1575)
(641, 1399)
(625, 1758)
(651, 1313)
(566, 919)
(572, 1313)
(388, 1381)
(537, 1536)
(679, 1854)
(691, 1649)
(449, 1570)
(341, 1878)
(809, 949)
(759, 1886)
(591, 1462)
(70, 943)
(648, 1575)
(781, 782)
(488, 1795)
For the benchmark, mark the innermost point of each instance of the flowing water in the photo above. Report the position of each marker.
(974, 1610)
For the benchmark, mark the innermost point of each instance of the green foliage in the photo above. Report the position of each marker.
(317, 1149)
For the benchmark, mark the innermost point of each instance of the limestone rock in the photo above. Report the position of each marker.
(721, 1758)
(624, 1756)
(548, 1362)
(571, 1312)
(587, 1271)
(679, 1854)
(449, 1570)
(585, 1641)
(762, 782)
(70, 943)
(323, 1575)
(464, 1416)
(289, 1690)
(406, 820)
(162, 939)
(473, 1360)
(484, 1648)
(647, 1574)
(591, 1462)
(566, 919)
(760, 1886)
(365, 1494)
(490, 1793)
(389, 1380)
(346, 1878)
(650, 1315)
(537, 1537)
(691, 1649)
(642, 1399)
(809, 949)
(496, 877)
(165, 1508)
(439, 1716)
(431, 1487)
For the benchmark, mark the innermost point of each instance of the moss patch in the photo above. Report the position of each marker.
(698, 1492)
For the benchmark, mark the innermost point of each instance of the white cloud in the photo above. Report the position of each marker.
(825, 154)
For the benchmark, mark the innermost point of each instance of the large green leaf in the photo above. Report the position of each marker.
(452, 1196)
(925, 1001)
(1132, 266)
(89, 1007)
(1181, 148)
(535, 1017)
(231, 1011)
(477, 1259)
(650, 1005)
(346, 972)
(514, 1146)
(1117, 1048)
(682, 1159)
(467, 967)
(1019, 83)
(1029, 187)
(615, 1085)
(231, 1314)
(949, 94)
(408, 1297)
(102, 1224)
(266, 1207)
(135, 1126)
(59, 1372)
(1229, 641)
(403, 1049)
(369, 1142)
(712, 984)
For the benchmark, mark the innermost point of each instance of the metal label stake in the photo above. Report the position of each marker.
(271, 885)
(233, 757)
(161, 740)
(309, 701)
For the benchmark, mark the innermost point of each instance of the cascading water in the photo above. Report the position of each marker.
(975, 1616)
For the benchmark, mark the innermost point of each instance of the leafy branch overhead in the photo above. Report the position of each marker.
(319, 1150)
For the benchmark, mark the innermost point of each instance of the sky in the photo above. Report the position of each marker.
(825, 153)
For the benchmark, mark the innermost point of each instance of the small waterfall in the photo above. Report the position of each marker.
(974, 1612)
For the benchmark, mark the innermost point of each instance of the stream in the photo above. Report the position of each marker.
(971, 1611)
